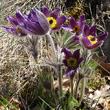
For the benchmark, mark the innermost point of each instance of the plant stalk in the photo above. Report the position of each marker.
(77, 87)
(52, 43)
(60, 84)
(71, 83)
(52, 85)
(82, 88)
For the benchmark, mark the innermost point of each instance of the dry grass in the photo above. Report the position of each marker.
(17, 66)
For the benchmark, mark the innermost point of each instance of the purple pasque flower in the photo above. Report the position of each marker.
(74, 26)
(71, 61)
(15, 23)
(90, 40)
(33, 23)
(36, 23)
(53, 18)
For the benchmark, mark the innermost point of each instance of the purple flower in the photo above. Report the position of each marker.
(33, 23)
(54, 20)
(72, 61)
(15, 23)
(90, 40)
(36, 23)
(74, 26)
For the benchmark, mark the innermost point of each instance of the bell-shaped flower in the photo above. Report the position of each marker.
(53, 18)
(36, 23)
(71, 61)
(15, 23)
(74, 26)
(90, 40)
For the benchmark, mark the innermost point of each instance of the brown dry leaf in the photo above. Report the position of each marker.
(101, 94)
(106, 103)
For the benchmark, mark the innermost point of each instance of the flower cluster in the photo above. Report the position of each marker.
(40, 23)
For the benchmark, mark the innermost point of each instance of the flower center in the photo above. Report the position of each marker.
(52, 22)
(92, 39)
(72, 63)
(76, 29)
(18, 30)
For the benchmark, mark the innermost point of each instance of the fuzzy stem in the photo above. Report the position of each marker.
(71, 83)
(82, 88)
(77, 87)
(60, 84)
(52, 85)
(51, 42)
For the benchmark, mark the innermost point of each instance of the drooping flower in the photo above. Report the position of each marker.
(71, 61)
(90, 40)
(36, 23)
(33, 23)
(53, 18)
(74, 26)
(15, 23)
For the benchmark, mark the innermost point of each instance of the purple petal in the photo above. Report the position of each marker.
(13, 31)
(12, 20)
(76, 54)
(76, 69)
(29, 17)
(86, 42)
(45, 11)
(69, 71)
(60, 21)
(92, 30)
(86, 30)
(75, 40)
(42, 21)
(34, 15)
(20, 19)
(102, 36)
(67, 52)
(81, 20)
(80, 60)
(73, 23)
(55, 13)
(30, 31)
(67, 27)
(95, 45)
(9, 30)
(65, 62)
(33, 28)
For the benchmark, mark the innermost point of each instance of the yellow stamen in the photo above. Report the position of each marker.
(72, 62)
(52, 22)
(18, 30)
(76, 29)
(92, 39)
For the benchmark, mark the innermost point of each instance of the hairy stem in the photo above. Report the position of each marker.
(60, 84)
(71, 83)
(52, 85)
(52, 43)
(77, 87)
(82, 88)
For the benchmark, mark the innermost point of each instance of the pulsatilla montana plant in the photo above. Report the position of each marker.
(69, 53)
